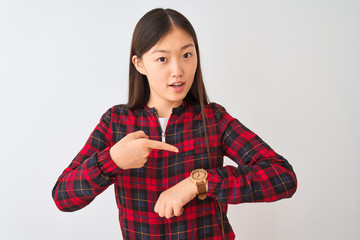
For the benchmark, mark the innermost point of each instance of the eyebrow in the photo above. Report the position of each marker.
(165, 51)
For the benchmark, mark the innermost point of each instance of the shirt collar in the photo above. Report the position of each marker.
(176, 110)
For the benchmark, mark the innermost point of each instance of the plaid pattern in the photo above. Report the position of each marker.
(261, 176)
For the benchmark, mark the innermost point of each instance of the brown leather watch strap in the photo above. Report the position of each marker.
(202, 190)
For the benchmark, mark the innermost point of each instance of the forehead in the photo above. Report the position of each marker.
(174, 40)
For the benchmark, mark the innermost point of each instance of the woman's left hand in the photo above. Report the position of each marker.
(171, 201)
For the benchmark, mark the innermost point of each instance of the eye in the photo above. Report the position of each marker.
(187, 55)
(161, 59)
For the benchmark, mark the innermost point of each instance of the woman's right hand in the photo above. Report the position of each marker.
(133, 149)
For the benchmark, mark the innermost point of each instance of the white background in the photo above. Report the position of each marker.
(288, 70)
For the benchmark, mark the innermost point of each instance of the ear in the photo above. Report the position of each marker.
(138, 64)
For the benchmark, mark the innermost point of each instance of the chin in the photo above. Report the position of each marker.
(176, 100)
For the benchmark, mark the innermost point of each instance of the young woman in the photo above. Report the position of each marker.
(164, 149)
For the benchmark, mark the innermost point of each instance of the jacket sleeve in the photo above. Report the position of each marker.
(262, 175)
(90, 172)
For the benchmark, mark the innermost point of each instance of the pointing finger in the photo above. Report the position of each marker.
(161, 145)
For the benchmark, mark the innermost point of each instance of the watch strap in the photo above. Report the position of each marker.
(201, 190)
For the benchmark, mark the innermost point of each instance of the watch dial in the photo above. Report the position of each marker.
(199, 174)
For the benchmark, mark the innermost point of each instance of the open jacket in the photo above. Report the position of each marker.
(262, 175)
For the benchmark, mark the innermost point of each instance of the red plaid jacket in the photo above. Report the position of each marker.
(261, 176)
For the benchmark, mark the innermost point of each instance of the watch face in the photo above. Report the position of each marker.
(199, 174)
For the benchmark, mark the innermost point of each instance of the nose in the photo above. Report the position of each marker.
(176, 69)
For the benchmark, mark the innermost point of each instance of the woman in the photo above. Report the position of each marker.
(164, 149)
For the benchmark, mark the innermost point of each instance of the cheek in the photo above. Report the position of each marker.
(157, 78)
(154, 74)
(159, 72)
(192, 67)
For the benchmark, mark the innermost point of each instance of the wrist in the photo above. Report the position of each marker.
(192, 187)
(115, 159)
(199, 179)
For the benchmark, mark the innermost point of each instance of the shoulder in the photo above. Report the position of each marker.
(216, 106)
(212, 109)
(119, 109)
(210, 106)
(219, 112)
(115, 111)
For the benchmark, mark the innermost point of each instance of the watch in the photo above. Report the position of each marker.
(199, 177)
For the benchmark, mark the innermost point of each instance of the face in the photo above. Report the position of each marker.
(170, 62)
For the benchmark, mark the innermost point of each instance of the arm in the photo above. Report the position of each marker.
(91, 171)
(262, 174)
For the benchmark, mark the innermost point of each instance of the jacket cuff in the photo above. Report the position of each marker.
(214, 183)
(106, 165)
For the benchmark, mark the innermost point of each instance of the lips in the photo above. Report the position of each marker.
(177, 84)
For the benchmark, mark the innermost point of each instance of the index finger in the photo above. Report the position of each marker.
(153, 144)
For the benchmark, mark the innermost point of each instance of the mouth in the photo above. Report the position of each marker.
(177, 84)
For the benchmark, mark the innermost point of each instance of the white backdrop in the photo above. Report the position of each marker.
(288, 70)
